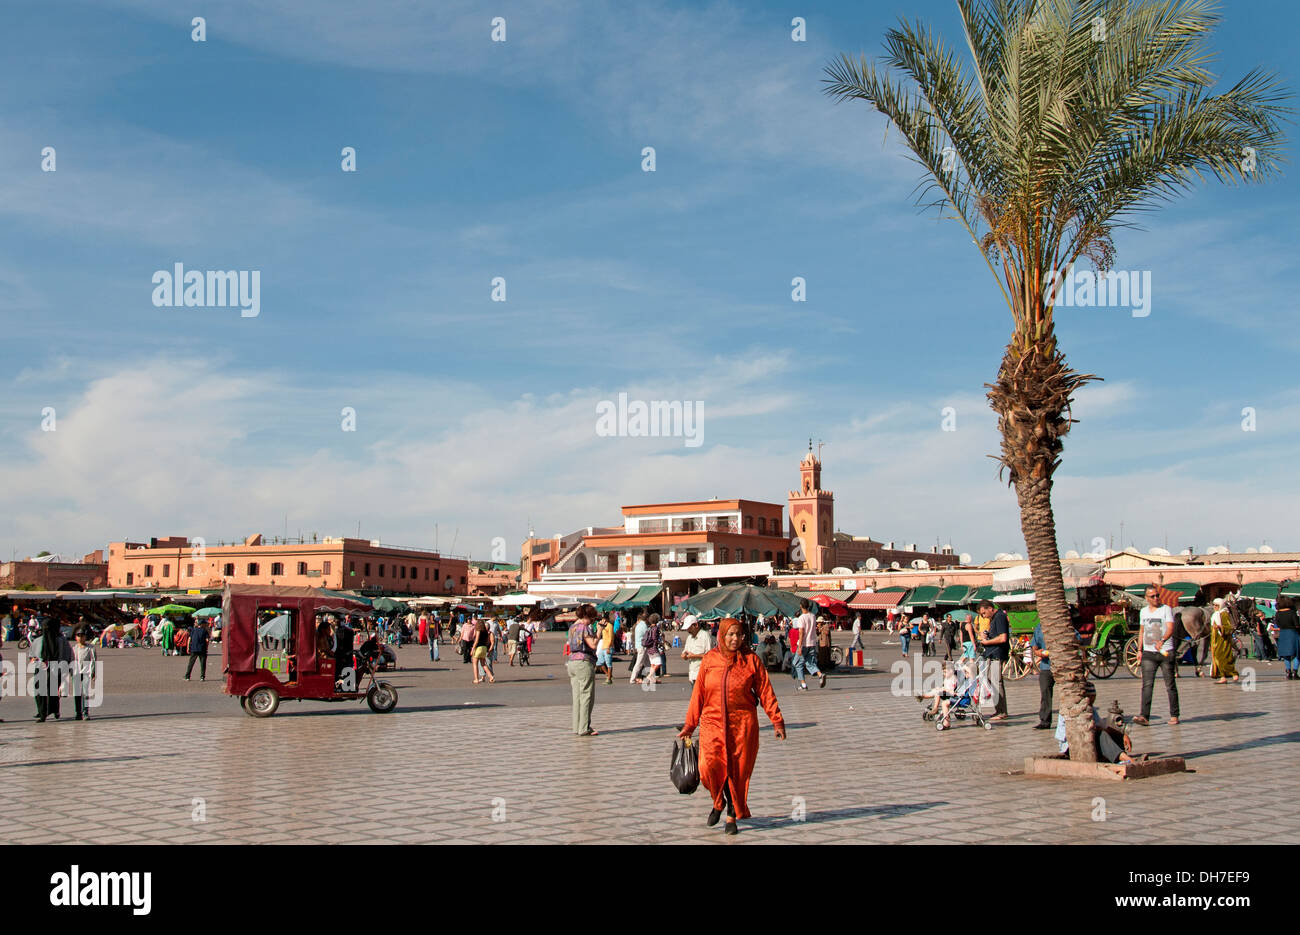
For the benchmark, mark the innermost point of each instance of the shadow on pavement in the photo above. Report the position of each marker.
(89, 759)
(842, 814)
(1290, 737)
(1228, 716)
(400, 709)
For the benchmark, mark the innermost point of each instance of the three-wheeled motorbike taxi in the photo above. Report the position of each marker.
(280, 642)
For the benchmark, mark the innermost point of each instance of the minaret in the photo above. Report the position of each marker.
(812, 515)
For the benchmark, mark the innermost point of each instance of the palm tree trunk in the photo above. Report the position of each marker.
(1032, 399)
(1038, 524)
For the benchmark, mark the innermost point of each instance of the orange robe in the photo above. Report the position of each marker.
(725, 708)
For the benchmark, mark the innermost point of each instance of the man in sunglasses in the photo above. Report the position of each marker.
(1157, 638)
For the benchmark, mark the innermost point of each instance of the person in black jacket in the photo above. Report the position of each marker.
(1288, 636)
(198, 649)
(344, 636)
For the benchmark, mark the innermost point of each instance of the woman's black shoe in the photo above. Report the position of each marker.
(731, 828)
(714, 815)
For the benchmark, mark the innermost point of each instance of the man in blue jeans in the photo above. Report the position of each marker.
(805, 660)
(1046, 682)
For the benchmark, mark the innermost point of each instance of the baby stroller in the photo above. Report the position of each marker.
(962, 704)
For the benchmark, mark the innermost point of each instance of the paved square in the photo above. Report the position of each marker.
(497, 764)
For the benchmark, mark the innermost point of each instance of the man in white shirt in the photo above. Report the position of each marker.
(805, 660)
(698, 642)
(857, 632)
(1157, 638)
(638, 647)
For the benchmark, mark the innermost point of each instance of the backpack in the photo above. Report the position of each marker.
(651, 642)
(577, 643)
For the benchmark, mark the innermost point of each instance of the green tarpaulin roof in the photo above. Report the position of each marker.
(923, 596)
(1261, 590)
(984, 592)
(1291, 589)
(953, 594)
(621, 595)
(643, 596)
(731, 599)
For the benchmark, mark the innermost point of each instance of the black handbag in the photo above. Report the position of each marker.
(685, 768)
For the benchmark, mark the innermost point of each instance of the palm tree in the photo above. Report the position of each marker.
(1070, 117)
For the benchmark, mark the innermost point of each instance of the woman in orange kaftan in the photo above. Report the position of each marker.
(732, 682)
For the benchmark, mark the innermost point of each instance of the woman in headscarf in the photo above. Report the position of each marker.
(50, 653)
(731, 683)
(1223, 659)
(167, 636)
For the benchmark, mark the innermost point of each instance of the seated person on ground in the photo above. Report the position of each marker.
(1113, 742)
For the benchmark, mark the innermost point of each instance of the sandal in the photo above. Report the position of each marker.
(590, 733)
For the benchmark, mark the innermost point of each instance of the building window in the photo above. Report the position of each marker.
(326, 568)
(463, 580)
(277, 568)
(753, 555)
(352, 568)
(252, 568)
(780, 559)
(415, 572)
(722, 555)
(762, 524)
(403, 572)
(228, 569)
(148, 571)
(767, 556)
(367, 571)
(167, 571)
(189, 571)
(692, 557)
(130, 577)
(426, 572)
(651, 559)
(749, 522)
(381, 571)
(302, 568)
(580, 563)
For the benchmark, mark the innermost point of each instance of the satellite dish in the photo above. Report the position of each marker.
(1252, 551)
(1156, 550)
(872, 564)
(841, 571)
(920, 564)
(1072, 554)
(1185, 552)
(1016, 557)
(964, 558)
(1266, 549)
(894, 565)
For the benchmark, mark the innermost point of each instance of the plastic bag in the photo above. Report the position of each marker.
(685, 768)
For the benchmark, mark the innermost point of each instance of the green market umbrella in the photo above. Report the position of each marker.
(208, 612)
(170, 609)
(732, 599)
(386, 605)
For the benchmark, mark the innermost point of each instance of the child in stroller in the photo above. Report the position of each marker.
(956, 697)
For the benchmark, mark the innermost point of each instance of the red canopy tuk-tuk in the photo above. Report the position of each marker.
(277, 643)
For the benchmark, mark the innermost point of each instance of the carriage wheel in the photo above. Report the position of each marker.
(1103, 661)
(262, 702)
(1132, 662)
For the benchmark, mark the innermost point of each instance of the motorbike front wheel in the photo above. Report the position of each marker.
(382, 697)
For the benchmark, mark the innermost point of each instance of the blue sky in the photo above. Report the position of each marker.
(522, 160)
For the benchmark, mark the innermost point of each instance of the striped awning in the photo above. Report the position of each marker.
(876, 600)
